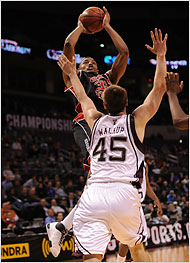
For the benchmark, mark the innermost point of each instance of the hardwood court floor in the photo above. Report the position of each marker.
(177, 253)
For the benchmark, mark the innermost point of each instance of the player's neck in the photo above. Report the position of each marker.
(120, 113)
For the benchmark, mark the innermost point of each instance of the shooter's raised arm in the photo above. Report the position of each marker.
(119, 66)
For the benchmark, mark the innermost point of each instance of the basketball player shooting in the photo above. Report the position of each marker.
(111, 202)
(93, 82)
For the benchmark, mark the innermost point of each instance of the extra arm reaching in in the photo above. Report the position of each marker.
(180, 119)
(151, 193)
(152, 102)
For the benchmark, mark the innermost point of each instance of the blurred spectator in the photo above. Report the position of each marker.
(33, 150)
(172, 213)
(186, 179)
(163, 197)
(179, 210)
(17, 188)
(159, 182)
(60, 216)
(184, 187)
(41, 190)
(25, 168)
(10, 223)
(156, 170)
(19, 156)
(153, 184)
(7, 184)
(61, 165)
(81, 183)
(182, 202)
(50, 218)
(14, 165)
(148, 210)
(46, 180)
(44, 206)
(32, 182)
(64, 205)
(24, 196)
(50, 190)
(17, 174)
(181, 177)
(171, 197)
(164, 168)
(55, 207)
(51, 161)
(185, 211)
(11, 195)
(33, 198)
(7, 172)
(72, 200)
(158, 219)
(69, 187)
(159, 161)
(178, 199)
(164, 208)
(37, 166)
(59, 192)
(6, 208)
(16, 145)
(165, 186)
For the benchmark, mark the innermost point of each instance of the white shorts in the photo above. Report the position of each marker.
(105, 209)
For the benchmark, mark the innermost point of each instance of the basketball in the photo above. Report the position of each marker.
(92, 18)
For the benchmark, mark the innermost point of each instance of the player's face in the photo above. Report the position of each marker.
(88, 65)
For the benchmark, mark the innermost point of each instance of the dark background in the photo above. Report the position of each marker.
(45, 25)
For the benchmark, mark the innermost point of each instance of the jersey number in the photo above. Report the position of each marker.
(100, 149)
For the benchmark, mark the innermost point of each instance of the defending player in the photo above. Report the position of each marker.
(117, 163)
(93, 82)
(123, 249)
(180, 119)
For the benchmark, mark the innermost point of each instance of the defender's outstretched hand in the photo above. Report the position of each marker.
(172, 82)
(66, 66)
(159, 45)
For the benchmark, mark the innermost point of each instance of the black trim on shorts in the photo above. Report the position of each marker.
(142, 237)
(141, 221)
(82, 246)
(137, 240)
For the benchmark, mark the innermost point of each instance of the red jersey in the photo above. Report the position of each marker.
(94, 84)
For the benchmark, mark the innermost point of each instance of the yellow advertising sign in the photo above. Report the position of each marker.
(67, 245)
(15, 251)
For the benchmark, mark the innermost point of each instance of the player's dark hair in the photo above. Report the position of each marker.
(115, 99)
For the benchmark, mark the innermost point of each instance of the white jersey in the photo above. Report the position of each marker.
(116, 153)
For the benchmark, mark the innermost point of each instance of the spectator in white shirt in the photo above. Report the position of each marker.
(55, 207)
